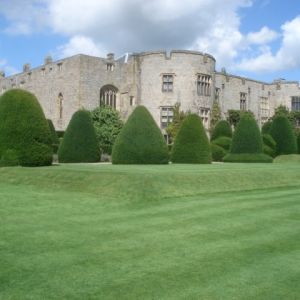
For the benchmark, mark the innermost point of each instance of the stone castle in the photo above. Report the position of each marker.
(157, 80)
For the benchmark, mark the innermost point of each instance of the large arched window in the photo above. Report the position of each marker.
(108, 95)
(60, 105)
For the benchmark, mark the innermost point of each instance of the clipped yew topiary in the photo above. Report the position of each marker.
(217, 152)
(266, 128)
(191, 144)
(224, 142)
(80, 142)
(140, 141)
(269, 145)
(247, 145)
(298, 142)
(24, 132)
(222, 128)
(54, 138)
(284, 136)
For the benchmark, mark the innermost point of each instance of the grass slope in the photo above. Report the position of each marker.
(150, 232)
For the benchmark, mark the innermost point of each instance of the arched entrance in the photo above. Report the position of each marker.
(108, 96)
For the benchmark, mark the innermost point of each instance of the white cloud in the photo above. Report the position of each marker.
(80, 44)
(287, 57)
(8, 70)
(262, 37)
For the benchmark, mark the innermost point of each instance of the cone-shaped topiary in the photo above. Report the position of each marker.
(140, 141)
(247, 145)
(222, 128)
(80, 142)
(55, 141)
(24, 131)
(298, 142)
(284, 136)
(191, 145)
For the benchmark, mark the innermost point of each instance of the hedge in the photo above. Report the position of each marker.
(54, 138)
(222, 128)
(191, 144)
(284, 136)
(298, 142)
(80, 142)
(140, 141)
(217, 152)
(248, 158)
(224, 142)
(24, 130)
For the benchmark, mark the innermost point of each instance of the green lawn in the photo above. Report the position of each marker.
(222, 231)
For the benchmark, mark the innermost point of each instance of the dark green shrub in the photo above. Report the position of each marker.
(283, 135)
(268, 150)
(80, 142)
(24, 128)
(247, 145)
(9, 158)
(248, 158)
(298, 142)
(221, 129)
(217, 152)
(224, 142)
(54, 138)
(269, 141)
(266, 128)
(191, 144)
(140, 141)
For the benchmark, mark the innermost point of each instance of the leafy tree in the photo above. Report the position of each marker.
(247, 142)
(178, 118)
(80, 142)
(283, 134)
(108, 124)
(216, 115)
(25, 136)
(191, 144)
(234, 116)
(140, 141)
(222, 128)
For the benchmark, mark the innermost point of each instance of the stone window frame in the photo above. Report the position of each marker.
(167, 82)
(110, 67)
(204, 113)
(264, 104)
(295, 103)
(243, 101)
(108, 96)
(166, 115)
(204, 85)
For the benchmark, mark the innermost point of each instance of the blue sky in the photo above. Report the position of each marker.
(257, 39)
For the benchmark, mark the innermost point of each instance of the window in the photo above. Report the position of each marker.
(203, 85)
(167, 83)
(109, 66)
(43, 71)
(60, 105)
(108, 96)
(217, 95)
(131, 100)
(264, 109)
(166, 116)
(204, 114)
(243, 101)
(59, 65)
(296, 103)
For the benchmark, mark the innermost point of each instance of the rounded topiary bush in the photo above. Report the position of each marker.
(54, 138)
(80, 142)
(284, 136)
(191, 144)
(266, 128)
(224, 142)
(9, 158)
(298, 142)
(24, 129)
(269, 145)
(247, 145)
(140, 141)
(222, 128)
(217, 152)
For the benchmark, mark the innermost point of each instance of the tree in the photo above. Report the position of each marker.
(140, 141)
(222, 128)
(247, 145)
(54, 138)
(216, 115)
(178, 118)
(283, 134)
(25, 136)
(191, 144)
(80, 142)
(108, 124)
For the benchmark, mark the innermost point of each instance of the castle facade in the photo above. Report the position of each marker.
(157, 80)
